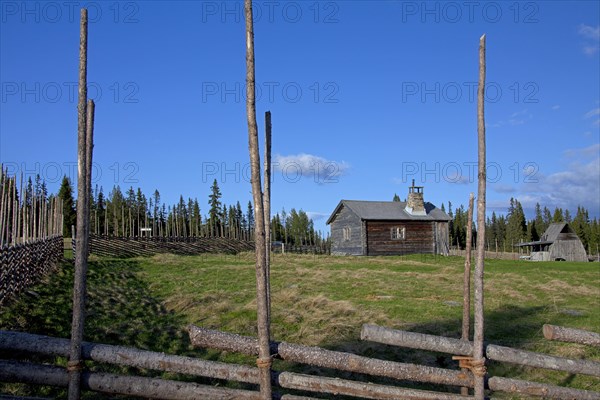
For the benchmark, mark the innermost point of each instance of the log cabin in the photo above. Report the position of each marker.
(389, 227)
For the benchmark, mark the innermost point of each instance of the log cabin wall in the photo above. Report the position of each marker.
(419, 237)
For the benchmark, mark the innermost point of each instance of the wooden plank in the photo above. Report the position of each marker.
(562, 334)
(540, 389)
(531, 359)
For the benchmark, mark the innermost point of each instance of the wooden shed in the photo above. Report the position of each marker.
(389, 227)
(558, 243)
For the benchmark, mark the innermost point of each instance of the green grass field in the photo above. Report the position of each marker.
(317, 300)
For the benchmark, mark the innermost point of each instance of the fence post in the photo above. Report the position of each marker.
(75, 363)
(478, 363)
(262, 283)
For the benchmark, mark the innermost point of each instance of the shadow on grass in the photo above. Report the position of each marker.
(510, 326)
(121, 310)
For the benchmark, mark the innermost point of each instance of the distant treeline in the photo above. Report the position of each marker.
(503, 232)
(132, 214)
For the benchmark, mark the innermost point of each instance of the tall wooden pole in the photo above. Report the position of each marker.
(466, 321)
(262, 300)
(478, 358)
(75, 363)
(267, 202)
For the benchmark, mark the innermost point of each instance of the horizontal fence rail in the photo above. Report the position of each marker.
(23, 372)
(502, 354)
(23, 265)
(540, 389)
(413, 340)
(531, 359)
(319, 357)
(570, 335)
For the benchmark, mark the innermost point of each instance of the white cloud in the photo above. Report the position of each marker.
(315, 216)
(578, 184)
(592, 36)
(589, 32)
(590, 50)
(310, 166)
(502, 188)
(515, 119)
(592, 114)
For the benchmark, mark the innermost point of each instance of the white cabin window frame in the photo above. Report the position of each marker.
(398, 233)
(346, 233)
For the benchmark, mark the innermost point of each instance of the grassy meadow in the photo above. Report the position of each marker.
(316, 300)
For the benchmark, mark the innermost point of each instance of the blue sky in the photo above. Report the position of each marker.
(365, 96)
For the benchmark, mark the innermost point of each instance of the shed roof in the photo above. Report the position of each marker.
(388, 211)
(551, 234)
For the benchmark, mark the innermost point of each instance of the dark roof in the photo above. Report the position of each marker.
(388, 211)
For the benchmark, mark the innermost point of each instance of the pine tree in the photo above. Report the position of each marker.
(214, 200)
(250, 217)
(65, 193)
(540, 226)
(516, 228)
(568, 216)
(101, 210)
(547, 218)
(558, 215)
(396, 197)
(581, 226)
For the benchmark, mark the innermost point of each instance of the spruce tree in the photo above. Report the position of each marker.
(65, 193)
(214, 200)
(558, 215)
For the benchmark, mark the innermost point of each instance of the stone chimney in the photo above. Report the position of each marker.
(415, 205)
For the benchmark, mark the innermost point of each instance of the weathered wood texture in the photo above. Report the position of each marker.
(153, 388)
(83, 218)
(568, 250)
(531, 359)
(466, 317)
(23, 265)
(15, 342)
(478, 358)
(562, 334)
(316, 356)
(267, 207)
(442, 238)
(261, 267)
(540, 389)
(415, 340)
(126, 247)
(420, 238)
(353, 244)
(358, 389)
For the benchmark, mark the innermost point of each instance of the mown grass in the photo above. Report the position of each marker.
(321, 300)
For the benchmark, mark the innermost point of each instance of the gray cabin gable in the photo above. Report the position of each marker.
(346, 231)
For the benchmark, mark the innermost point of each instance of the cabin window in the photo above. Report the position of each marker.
(398, 233)
(346, 233)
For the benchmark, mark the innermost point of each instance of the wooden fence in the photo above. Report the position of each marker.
(18, 344)
(125, 247)
(24, 264)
